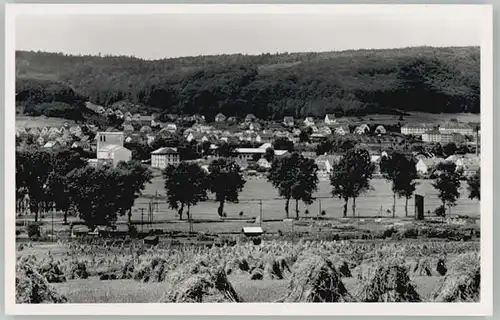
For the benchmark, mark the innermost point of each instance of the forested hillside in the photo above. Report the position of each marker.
(269, 85)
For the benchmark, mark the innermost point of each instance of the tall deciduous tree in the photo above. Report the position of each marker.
(33, 169)
(402, 173)
(447, 183)
(474, 186)
(351, 176)
(295, 177)
(225, 181)
(63, 163)
(134, 178)
(185, 185)
(269, 155)
(96, 194)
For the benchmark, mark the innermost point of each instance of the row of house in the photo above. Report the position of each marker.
(435, 136)
(469, 164)
(447, 128)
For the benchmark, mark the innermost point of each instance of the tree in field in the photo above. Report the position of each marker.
(450, 149)
(437, 150)
(269, 155)
(306, 183)
(295, 177)
(134, 177)
(351, 176)
(185, 185)
(402, 173)
(63, 163)
(96, 194)
(225, 181)
(474, 186)
(227, 150)
(447, 183)
(33, 169)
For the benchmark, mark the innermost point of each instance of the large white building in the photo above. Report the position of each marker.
(163, 157)
(456, 127)
(110, 149)
(436, 136)
(248, 153)
(416, 129)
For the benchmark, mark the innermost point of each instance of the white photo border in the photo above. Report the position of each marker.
(482, 308)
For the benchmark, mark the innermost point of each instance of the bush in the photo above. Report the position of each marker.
(440, 211)
(33, 231)
(389, 232)
(323, 212)
(408, 233)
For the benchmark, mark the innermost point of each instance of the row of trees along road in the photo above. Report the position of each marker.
(64, 181)
(187, 184)
(402, 173)
(295, 177)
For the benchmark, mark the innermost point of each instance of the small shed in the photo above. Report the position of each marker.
(252, 231)
(152, 240)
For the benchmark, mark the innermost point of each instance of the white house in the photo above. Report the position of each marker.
(330, 119)
(325, 130)
(220, 117)
(288, 121)
(426, 165)
(380, 130)
(266, 145)
(171, 127)
(325, 163)
(114, 154)
(254, 126)
(362, 129)
(309, 121)
(263, 163)
(163, 157)
(110, 148)
(52, 145)
(342, 130)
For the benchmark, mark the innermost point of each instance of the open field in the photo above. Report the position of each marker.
(93, 290)
(141, 274)
(205, 218)
(413, 117)
(375, 203)
(40, 122)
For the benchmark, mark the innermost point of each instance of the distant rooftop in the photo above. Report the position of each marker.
(165, 150)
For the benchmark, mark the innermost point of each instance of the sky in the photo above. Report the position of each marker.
(156, 36)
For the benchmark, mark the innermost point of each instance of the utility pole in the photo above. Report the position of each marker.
(477, 141)
(260, 212)
(142, 220)
(53, 209)
(319, 211)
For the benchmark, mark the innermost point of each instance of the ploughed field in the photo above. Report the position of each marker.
(376, 202)
(273, 271)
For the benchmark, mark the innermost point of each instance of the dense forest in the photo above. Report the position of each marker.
(269, 85)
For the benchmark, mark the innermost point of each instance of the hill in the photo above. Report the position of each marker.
(425, 79)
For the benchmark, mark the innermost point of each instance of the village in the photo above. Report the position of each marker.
(160, 141)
